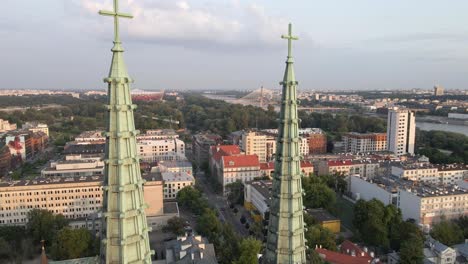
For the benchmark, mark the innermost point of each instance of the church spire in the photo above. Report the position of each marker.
(125, 228)
(285, 238)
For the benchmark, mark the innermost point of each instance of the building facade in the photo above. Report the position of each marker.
(174, 182)
(5, 126)
(364, 142)
(401, 129)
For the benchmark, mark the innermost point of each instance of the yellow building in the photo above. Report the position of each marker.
(326, 220)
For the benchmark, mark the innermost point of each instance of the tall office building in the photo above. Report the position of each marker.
(124, 229)
(285, 237)
(401, 129)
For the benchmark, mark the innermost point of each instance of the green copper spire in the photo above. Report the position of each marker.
(125, 228)
(285, 238)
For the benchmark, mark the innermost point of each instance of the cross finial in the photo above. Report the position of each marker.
(115, 13)
(290, 38)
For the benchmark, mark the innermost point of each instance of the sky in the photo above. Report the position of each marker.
(236, 44)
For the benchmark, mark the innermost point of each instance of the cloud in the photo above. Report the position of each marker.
(424, 36)
(220, 24)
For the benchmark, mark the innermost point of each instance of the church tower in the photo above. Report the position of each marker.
(285, 238)
(124, 226)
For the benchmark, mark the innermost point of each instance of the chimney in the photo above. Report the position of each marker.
(353, 253)
(201, 255)
(372, 254)
(193, 256)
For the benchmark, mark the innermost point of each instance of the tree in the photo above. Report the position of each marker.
(249, 249)
(176, 225)
(72, 243)
(235, 192)
(403, 232)
(447, 233)
(317, 193)
(44, 225)
(319, 236)
(208, 224)
(192, 199)
(412, 251)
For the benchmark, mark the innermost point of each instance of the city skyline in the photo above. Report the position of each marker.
(205, 45)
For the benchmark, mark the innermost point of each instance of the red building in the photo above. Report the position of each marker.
(317, 143)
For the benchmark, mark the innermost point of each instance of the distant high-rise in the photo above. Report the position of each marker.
(438, 90)
(125, 229)
(401, 129)
(285, 238)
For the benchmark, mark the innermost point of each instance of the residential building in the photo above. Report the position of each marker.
(436, 252)
(268, 168)
(325, 219)
(74, 197)
(365, 168)
(5, 126)
(350, 253)
(91, 137)
(315, 138)
(5, 160)
(189, 249)
(75, 165)
(425, 203)
(257, 196)
(259, 143)
(174, 182)
(401, 129)
(438, 90)
(228, 165)
(201, 146)
(164, 149)
(36, 127)
(364, 142)
(173, 166)
(426, 172)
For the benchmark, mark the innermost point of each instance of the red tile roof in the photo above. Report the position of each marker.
(340, 258)
(224, 150)
(267, 166)
(306, 164)
(240, 161)
(332, 163)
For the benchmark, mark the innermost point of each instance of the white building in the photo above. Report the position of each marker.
(436, 174)
(75, 165)
(73, 197)
(36, 127)
(174, 182)
(173, 166)
(258, 195)
(401, 129)
(425, 203)
(5, 126)
(164, 149)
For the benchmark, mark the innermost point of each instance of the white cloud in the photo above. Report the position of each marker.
(221, 23)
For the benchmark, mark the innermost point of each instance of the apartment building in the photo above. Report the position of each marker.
(401, 129)
(424, 202)
(365, 168)
(5, 126)
(229, 165)
(36, 127)
(74, 197)
(426, 172)
(163, 149)
(201, 146)
(174, 182)
(364, 142)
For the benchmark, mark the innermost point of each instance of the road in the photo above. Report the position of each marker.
(221, 205)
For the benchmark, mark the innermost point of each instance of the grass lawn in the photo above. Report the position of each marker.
(344, 209)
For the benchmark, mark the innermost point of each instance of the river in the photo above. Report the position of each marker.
(443, 127)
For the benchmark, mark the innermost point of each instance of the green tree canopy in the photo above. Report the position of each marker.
(73, 243)
(44, 225)
(447, 233)
(412, 251)
(249, 249)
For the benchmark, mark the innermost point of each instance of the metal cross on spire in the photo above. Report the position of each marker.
(116, 14)
(290, 38)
